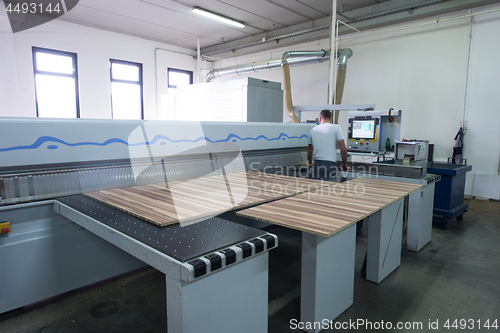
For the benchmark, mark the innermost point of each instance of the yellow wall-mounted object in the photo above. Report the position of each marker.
(4, 228)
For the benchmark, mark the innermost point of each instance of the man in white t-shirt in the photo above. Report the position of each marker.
(323, 146)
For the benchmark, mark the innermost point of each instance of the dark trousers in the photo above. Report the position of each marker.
(324, 170)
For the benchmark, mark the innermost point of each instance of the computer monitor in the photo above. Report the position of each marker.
(363, 129)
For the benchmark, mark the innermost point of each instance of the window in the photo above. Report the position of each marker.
(179, 77)
(56, 83)
(126, 90)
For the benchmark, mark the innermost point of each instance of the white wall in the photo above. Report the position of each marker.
(8, 75)
(482, 140)
(94, 49)
(422, 71)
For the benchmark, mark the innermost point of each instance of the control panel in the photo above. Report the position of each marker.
(362, 145)
(373, 131)
(363, 133)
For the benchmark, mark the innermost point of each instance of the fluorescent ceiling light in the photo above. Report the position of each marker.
(218, 17)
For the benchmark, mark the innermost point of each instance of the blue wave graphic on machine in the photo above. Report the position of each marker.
(158, 138)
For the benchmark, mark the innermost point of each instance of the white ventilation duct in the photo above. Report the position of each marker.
(255, 67)
(289, 58)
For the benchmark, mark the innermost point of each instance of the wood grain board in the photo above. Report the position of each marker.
(192, 199)
(330, 209)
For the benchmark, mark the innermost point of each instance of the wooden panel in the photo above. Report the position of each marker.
(330, 209)
(191, 199)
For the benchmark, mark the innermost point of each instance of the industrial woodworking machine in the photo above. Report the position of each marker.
(54, 239)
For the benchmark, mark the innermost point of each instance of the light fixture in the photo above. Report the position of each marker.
(217, 17)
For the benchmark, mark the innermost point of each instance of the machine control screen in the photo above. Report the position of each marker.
(363, 129)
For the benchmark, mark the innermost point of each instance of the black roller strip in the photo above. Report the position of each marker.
(259, 245)
(215, 261)
(200, 267)
(247, 249)
(271, 241)
(230, 256)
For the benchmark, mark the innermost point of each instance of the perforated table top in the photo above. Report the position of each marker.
(181, 243)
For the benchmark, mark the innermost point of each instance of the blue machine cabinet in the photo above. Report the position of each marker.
(449, 193)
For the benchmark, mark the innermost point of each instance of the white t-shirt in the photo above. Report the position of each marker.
(324, 139)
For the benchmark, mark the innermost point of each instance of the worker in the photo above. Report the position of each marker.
(323, 147)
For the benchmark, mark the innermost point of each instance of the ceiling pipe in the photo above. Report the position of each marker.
(323, 27)
(287, 87)
(255, 67)
(266, 40)
(290, 58)
(395, 10)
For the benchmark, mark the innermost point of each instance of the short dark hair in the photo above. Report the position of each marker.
(326, 114)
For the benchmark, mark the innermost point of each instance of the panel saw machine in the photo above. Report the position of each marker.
(55, 240)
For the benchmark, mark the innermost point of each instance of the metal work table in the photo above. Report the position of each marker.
(420, 203)
(218, 257)
(327, 220)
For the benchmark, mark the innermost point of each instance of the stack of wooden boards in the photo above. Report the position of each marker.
(333, 208)
(313, 206)
(178, 201)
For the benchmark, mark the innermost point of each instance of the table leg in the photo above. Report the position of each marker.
(420, 218)
(327, 276)
(385, 229)
(232, 300)
(444, 223)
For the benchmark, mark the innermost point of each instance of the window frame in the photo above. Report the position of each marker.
(140, 82)
(74, 58)
(176, 70)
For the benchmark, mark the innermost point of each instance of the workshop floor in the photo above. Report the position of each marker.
(456, 276)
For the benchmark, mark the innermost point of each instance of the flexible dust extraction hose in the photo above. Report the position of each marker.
(341, 74)
(287, 86)
(288, 94)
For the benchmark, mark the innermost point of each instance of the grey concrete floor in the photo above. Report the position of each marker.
(456, 276)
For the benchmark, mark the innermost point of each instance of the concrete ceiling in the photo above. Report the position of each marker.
(173, 22)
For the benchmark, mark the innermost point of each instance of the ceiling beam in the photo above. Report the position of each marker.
(260, 42)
